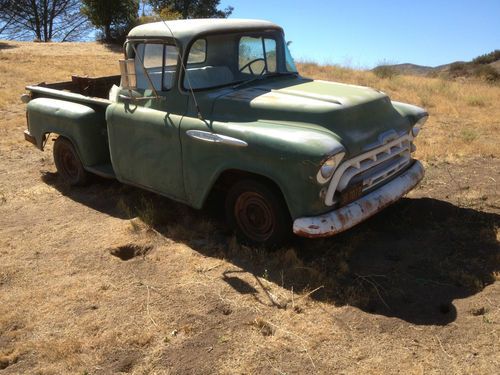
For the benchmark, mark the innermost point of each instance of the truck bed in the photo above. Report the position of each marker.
(80, 89)
(75, 110)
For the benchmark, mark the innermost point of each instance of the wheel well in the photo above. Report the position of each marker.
(230, 177)
(47, 135)
(45, 139)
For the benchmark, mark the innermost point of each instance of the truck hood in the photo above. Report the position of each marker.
(356, 116)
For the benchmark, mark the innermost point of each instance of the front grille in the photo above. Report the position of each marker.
(371, 168)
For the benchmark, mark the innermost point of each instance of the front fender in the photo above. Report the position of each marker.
(411, 112)
(288, 155)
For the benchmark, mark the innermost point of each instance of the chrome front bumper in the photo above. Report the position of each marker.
(354, 213)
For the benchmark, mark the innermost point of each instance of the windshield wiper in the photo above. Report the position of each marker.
(281, 74)
(263, 76)
(258, 78)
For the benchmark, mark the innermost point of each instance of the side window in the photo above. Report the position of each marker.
(270, 46)
(160, 61)
(198, 52)
(257, 55)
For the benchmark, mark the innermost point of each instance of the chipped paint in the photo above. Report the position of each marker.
(354, 213)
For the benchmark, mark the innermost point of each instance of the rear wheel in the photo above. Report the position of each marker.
(68, 164)
(258, 213)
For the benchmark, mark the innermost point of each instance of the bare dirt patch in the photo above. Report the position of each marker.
(108, 278)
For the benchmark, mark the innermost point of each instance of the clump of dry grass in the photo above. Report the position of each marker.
(263, 326)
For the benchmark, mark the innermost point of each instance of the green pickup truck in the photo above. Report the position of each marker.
(218, 104)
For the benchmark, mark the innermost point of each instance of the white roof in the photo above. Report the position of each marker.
(185, 30)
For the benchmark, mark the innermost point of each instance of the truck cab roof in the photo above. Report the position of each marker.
(186, 30)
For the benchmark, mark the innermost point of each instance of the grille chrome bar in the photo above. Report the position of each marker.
(400, 163)
(394, 155)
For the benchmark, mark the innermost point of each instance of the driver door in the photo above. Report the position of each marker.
(144, 135)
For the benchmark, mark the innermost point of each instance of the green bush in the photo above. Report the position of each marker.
(487, 72)
(487, 58)
(458, 69)
(385, 71)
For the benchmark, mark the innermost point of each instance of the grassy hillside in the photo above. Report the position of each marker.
(485, 68)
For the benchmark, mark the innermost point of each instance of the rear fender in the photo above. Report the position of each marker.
(84, 126)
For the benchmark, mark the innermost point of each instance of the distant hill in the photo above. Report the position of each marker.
(411, 69)
(485, 66)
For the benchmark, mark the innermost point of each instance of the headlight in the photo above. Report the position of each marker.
(416, 128)
(328, 168)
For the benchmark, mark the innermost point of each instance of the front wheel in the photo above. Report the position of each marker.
(68, 164)
(258, 213)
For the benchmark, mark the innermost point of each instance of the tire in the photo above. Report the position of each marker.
(258, 214)
(68, 164)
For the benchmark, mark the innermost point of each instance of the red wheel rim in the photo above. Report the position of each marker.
(69, 163)
(254, 216)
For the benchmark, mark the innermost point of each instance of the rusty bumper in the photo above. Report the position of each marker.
(354, 213)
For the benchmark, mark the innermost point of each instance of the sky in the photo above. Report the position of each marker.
(364, 33)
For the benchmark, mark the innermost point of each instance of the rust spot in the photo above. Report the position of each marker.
(305, 234)
(313, 226)
(367, 205)
(270, 97)
(342, 218)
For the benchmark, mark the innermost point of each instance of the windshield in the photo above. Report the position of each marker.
(230, 59)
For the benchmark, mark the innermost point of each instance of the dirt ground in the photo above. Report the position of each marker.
(110, 279)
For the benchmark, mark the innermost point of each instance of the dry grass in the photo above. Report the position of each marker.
(110, 279)
(24, 63)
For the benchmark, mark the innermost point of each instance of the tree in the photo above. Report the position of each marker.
(114, 17)
(487, 58)
(42, 20)
(164, 14)
(192, 8)
(169, 14)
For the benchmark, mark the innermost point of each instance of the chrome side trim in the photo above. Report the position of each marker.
(215, 138)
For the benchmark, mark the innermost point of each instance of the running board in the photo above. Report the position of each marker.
(102, 170)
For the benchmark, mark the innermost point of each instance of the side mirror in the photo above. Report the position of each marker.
(127, 70)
